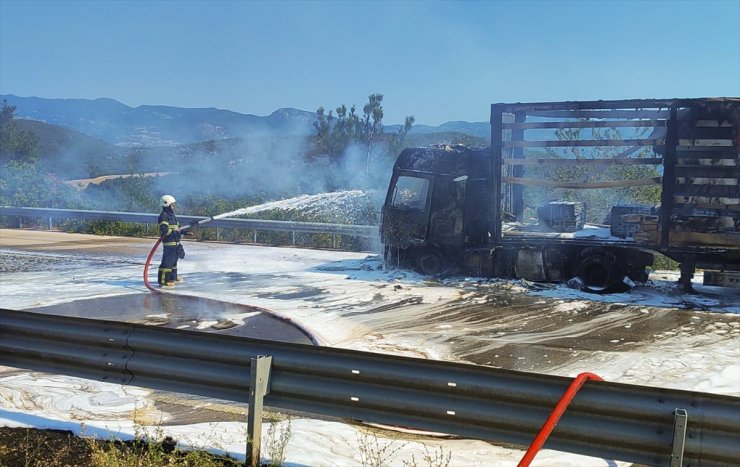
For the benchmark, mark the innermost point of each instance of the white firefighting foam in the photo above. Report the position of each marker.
(343, 201)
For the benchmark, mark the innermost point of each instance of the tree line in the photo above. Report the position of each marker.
(336, 133)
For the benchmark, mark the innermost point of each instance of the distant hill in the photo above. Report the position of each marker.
(118, 124)
(53, 137)
(477, 129)
(146, 125)
(447, 137)
(73, 153)
(81, 139)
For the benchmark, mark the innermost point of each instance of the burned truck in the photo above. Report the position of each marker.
(583, 191)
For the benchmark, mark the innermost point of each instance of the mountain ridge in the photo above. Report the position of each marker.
(116, 123)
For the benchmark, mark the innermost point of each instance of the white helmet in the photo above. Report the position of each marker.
(167, 200)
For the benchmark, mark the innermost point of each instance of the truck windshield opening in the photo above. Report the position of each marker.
(410, 193)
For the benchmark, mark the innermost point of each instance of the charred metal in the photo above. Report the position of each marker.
(524, 208)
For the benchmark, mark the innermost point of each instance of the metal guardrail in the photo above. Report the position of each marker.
(608, 420)
(369, 231)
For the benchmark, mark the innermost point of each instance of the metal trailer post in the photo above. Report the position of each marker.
(669, 179)
(517, 171)
(495, 172)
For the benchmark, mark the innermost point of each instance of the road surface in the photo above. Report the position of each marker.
(655, 335)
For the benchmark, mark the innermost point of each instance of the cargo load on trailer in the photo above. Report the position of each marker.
(582, 191)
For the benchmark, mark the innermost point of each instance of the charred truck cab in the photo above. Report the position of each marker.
(436, 206)
(554, 197)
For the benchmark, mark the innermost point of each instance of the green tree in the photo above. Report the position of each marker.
(15, 144)
(598, 201)
(323, 128)
(396, 141)
(336, 133)
(372, 121)
(25, 184)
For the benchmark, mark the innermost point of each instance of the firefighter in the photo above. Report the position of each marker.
(169, 229)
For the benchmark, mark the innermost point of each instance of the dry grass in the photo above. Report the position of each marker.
(26, 447)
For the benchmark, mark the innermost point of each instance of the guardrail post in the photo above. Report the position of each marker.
(50, 224)
(258, 387)
(681, 418)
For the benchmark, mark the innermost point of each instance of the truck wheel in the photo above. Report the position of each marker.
(600, 271)
(430, 263)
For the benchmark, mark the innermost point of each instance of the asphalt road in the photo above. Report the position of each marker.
(154, 308)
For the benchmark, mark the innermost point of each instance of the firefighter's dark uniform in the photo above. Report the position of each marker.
(168, 226)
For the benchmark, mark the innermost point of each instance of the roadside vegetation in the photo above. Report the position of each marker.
(30, 447)
(207, 179)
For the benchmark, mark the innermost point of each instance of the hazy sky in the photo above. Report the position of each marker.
(436, 60)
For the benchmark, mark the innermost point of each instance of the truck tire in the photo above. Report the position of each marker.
(600, 271)
(430, 263)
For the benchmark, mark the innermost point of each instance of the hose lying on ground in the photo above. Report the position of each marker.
(146, 265)
(154, 248)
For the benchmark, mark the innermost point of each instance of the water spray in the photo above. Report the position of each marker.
(285, 204)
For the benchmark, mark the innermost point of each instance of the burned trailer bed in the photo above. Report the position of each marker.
(679, 157)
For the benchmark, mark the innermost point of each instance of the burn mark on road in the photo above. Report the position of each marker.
(184, 312)
(296, 293)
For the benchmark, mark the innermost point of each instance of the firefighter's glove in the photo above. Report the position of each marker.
(186, 233)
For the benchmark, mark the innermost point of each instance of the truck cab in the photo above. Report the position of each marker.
(435, 206)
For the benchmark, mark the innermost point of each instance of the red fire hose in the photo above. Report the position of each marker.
(554, 417)
(154, 248)
(146, 265)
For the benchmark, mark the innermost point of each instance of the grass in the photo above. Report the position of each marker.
(373, 452)
(30, 447)
(435, 458)
(26, 447)
(376, 453)
(278, 436)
